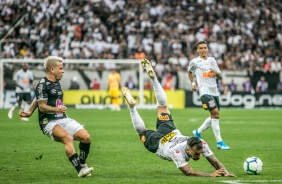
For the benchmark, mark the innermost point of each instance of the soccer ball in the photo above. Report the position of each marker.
(253, 165)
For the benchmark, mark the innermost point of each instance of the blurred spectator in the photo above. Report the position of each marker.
(247, 85)
(183, 61)
(93, 29)
(276, 65)
(74, 83)
(223, 88)
(139, 54)
(130, 83)
(168, 82)
(232, 86)
(95, 84)
(147, 85)
(279, 86)
(262, 85)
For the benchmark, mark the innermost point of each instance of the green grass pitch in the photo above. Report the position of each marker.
(118, 156)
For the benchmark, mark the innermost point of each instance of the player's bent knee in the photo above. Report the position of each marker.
(82, 136)
(86, 138)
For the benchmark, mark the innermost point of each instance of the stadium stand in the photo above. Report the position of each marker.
(242, 35)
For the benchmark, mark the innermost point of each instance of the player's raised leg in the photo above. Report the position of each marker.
(148, 67)
(128, 97)
(137, 121)
(158, 89)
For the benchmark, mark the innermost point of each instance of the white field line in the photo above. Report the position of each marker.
(249, 181)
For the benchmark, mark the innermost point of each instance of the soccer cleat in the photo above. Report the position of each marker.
(148, 67)
(86, 166)
(196, 133)
(221, 145)
(85, 172)
(128, 97)
(10, 114)
(24, 119)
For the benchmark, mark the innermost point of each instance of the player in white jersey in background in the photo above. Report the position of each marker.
(167, 141)
(23, 80)
(207, 71)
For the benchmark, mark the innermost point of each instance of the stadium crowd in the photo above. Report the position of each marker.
(242, 35)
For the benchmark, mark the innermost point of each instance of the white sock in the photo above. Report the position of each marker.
(26, 107)
(216, 129)
(137, 121)
(159, 92)
(14, 106)
(205, 125)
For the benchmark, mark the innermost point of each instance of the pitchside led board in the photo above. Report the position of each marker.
(177, 99)
(101, 99)
(94, 99)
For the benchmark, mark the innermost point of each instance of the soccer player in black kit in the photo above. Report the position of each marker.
(53, 120)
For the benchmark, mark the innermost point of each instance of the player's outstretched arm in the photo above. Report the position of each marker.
(194, 85)
(218, 165)
(188, 171)
(31, 109)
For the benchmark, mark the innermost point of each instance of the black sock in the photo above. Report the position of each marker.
(84, 151)
(74, 159)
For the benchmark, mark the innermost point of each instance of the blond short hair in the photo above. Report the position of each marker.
(51, 61)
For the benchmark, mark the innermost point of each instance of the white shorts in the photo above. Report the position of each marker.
(70, 125)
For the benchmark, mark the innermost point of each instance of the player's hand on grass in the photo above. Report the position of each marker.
(24, 114)
(229, 175)
(219, 172)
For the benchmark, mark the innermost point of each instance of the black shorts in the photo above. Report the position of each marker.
(151, 138)
(210, 102)
(23, 96)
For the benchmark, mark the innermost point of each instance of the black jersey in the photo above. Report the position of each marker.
(52, 92)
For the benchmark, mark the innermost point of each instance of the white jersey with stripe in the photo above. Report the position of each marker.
(23, 79)
(172, 148)
(205, 81)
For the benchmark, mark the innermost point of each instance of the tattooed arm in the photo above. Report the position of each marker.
(218, 165)
(188, 171)
(44, 108)
(31, 109)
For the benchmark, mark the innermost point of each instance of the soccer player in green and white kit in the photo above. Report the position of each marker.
(167, 141)
(207, 71)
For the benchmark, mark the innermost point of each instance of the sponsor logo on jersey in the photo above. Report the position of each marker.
(167, 137)
(208, 74)
(25, 81)
(164, 117)
(143, 139)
